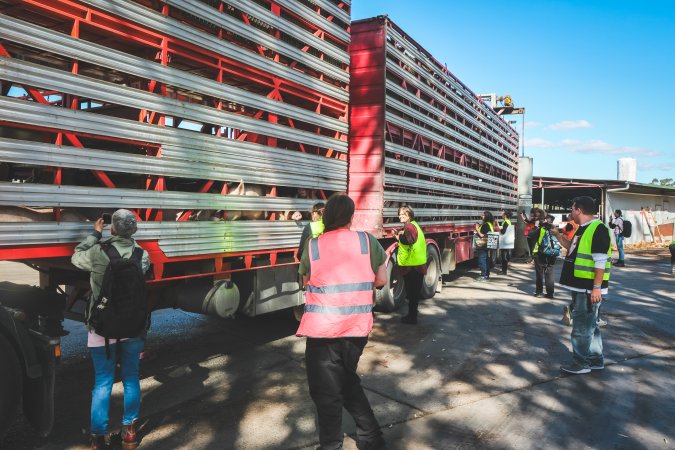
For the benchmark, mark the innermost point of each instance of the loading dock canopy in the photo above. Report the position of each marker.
(559, 192)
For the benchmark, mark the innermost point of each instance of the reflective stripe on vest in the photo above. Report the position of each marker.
(413, 255)
(339, 297)
(317, 228)
(584, 266)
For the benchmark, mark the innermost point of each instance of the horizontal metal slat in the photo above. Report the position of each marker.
(212, 15)
(175, 238)
(260, 169)
(396, 180)
(404, 197)
(36, 75)
(420, 156)
(40, 115)
(421, 130)
(422, 170)
(301, 10)
(46, 195)
(156, 21)
(433, 212)
(328, 6)
(16, 30)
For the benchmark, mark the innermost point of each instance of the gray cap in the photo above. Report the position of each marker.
(124, 223)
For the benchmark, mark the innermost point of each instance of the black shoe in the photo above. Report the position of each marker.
(549, 295)
(539, 294)
(409, 320)
(619, 264)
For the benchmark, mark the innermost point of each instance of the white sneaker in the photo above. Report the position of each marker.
(567, 316)
(602, 323)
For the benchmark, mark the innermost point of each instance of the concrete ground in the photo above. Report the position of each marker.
(480, 370)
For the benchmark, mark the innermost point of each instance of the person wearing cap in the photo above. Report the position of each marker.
(90, 256)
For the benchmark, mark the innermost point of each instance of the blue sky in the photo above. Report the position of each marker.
(597, 78)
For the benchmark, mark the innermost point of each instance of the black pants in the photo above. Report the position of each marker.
(505, 255)
(413, 290)
(544, 273)
(334, 383)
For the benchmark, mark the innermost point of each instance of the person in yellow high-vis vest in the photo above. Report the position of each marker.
(313, 229)
(585, 273)
(411, 258)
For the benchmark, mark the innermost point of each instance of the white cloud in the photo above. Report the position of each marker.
(532, 124)
(661, 167)
(570, 125)
(595, 146)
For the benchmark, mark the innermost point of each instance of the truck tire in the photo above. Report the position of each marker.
(390, 297)
(430, 283)
(10, 385)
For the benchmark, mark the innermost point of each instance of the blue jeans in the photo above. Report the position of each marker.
(619, 246)
(586, 339)
(104, 368)
(483, 262)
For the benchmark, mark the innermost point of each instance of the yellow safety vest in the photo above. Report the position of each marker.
(413, 255)
(535, 250)
(584, 267)
(317, 228)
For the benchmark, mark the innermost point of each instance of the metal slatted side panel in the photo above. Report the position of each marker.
(152, 19)
(27, 34)
(449, 85)
(447, 154)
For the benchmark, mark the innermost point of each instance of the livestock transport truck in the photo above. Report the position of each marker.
(215, 120)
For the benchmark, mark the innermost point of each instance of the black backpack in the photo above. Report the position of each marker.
(627, 229)
(121, 310)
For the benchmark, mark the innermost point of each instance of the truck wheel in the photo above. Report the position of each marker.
(10, 385)
(390, 297)
(430, 283)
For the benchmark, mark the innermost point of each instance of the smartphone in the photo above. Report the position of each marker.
(107, 218)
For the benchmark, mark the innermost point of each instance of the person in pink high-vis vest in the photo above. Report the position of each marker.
(340, 270)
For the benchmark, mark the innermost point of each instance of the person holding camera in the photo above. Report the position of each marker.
(117, 308)
(585, 273)
(543, 264)
(482, 230)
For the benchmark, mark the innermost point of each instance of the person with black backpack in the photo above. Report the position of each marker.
(546, 250)
(618, 224)
(117, 319)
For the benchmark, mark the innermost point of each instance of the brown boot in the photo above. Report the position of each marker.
(128, 435)
(100, 442)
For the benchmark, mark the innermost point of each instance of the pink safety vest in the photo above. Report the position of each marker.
(339, 297)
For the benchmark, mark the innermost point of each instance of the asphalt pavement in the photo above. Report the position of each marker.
(480, 370)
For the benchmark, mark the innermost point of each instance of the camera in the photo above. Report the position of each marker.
(107, 218)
